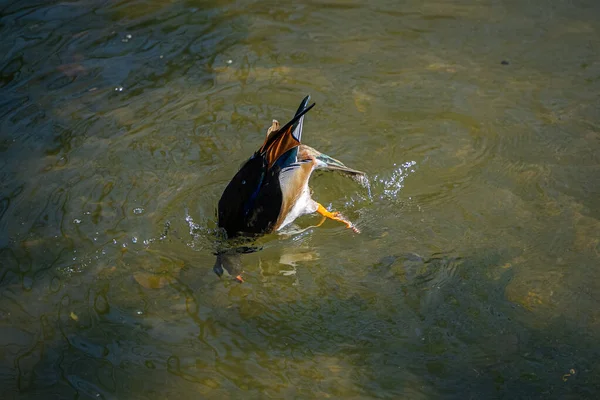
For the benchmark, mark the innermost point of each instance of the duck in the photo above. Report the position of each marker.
(271, 189)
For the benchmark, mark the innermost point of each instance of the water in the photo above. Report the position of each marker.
(475, 275)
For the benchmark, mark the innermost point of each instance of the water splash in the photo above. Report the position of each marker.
(393, 184)
(363, 180)
(194, 227)
(147, 242)
(383, 186)
(200, 233)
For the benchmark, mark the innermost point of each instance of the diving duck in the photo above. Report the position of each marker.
(271, 189)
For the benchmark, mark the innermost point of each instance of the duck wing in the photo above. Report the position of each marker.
(323, 161)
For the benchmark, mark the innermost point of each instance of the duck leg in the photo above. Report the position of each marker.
(337, 217)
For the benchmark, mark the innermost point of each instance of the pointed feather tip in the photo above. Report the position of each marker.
(303, 104)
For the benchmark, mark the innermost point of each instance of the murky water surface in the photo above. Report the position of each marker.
(475, 275)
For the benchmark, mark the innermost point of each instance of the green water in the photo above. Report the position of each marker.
(476, 274)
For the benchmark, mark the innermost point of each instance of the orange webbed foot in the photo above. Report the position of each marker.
(336, 216)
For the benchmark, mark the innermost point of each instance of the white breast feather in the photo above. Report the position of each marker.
(304, 204)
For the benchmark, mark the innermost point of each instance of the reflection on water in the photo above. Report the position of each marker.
(475, 274)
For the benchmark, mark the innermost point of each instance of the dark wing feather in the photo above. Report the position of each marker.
(251, 201)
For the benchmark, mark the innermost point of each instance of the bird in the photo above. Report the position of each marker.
(271, 190)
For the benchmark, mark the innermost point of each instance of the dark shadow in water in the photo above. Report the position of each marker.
(74, 78)
(78, 77)
(461, 338)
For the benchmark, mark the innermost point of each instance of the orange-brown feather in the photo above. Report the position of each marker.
(283, 142)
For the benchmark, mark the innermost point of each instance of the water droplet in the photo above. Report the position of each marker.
(76, 221)
(138, 210)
